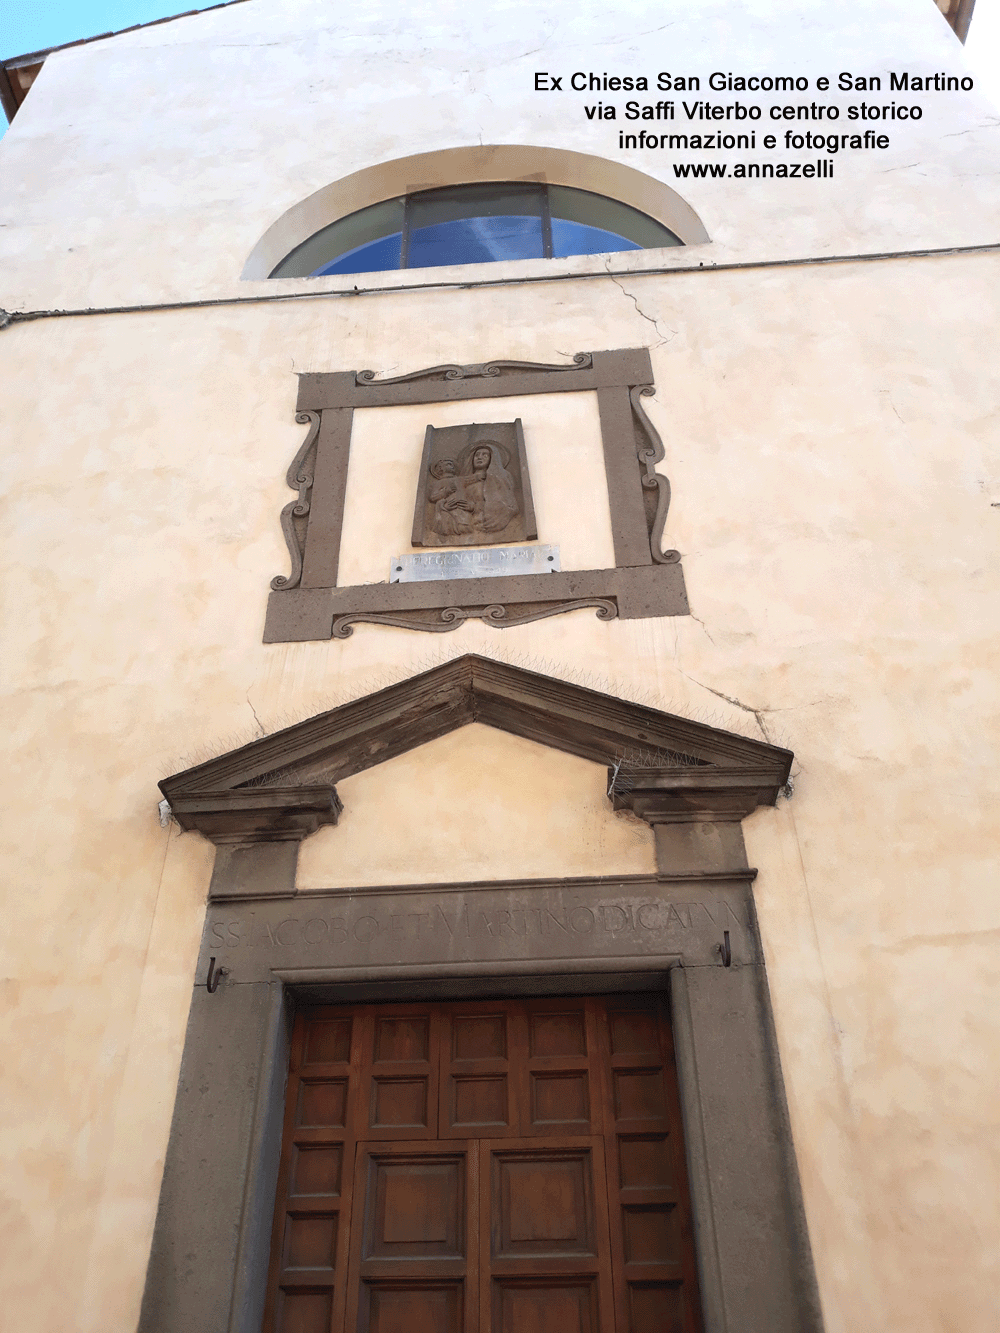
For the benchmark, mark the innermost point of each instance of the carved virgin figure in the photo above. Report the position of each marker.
(489, 489)
(474, 488)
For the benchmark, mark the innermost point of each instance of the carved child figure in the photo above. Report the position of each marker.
(452, 512)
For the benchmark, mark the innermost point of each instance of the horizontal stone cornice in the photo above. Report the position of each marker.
(260, 814)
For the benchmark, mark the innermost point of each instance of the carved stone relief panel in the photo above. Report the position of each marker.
(474, 488)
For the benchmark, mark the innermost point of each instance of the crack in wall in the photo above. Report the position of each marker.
(699, 621)
(888, 394)
(639, 310)
(731, 699)
(253, 710)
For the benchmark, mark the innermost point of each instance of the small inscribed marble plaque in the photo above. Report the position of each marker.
(473, 488)
(493, 563)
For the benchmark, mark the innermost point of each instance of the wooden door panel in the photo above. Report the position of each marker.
(542, 1203)
(479, 1036)
(414, 1242)
(507, 1166)
(544, 1244)
(557, 1031)
(400, 1104)
(308, 1258)
(402, 1038)
(526, 1305)
(559, 1100)
(322, 1104)
(304, 1311)
(316, 1173)
(659, 1307)
(400, 1062)
(639, 1098)
(655, 1279)
(311, 1242)
(652, 1235)
(477, 1047)
(645, 1163)
(634, 1033)
(328, 1040)
(412, 1307)
(557, 1071)
(416, 1206)
(479, 1102)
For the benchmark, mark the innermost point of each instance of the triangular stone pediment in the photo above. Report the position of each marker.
(283, 785)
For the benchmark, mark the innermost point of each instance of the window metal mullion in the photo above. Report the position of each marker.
(404, 242)
(546, 224)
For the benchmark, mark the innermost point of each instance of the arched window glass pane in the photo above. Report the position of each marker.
(475, 224)
(575, 238)
(626, 227)
(350, 236)
(373, 257)
(475, 241)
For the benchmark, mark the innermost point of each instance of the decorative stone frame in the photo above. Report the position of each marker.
(695, 934)
(646, 580)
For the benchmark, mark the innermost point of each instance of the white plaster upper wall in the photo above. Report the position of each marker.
(147, 166)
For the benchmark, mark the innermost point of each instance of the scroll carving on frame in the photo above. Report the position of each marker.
(650, 451)
(473, 489)
(450, 617)
(479, 370)
(293, 517)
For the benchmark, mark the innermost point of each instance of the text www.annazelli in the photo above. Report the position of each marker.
(822, 168)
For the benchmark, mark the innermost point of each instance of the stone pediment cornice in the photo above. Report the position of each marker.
(664, 767)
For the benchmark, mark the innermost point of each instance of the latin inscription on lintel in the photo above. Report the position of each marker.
(478, 926)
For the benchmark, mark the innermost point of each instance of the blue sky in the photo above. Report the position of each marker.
(32, 25)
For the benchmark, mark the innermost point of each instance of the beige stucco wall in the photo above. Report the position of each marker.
(497, 825)
(834, 455)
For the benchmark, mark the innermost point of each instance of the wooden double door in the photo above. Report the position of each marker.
(506, 1166)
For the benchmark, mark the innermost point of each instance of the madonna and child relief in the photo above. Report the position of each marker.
(474, 488)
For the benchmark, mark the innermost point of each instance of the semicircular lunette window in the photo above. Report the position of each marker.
(474, 224)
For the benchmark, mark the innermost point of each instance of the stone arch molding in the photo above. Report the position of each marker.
(467, 166)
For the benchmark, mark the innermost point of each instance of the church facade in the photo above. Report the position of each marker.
(501, 528)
